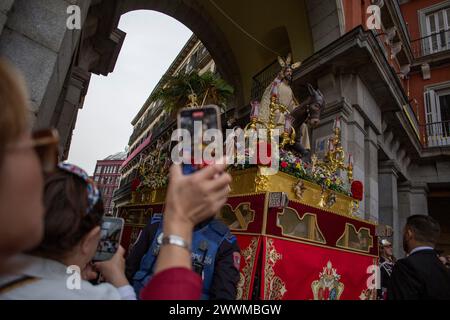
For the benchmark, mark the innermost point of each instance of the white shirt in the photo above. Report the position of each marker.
(51, 283)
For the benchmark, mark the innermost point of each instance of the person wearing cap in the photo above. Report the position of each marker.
(387, 262)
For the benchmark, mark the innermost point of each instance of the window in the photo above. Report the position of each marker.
(360, 240)
(437, 113)
(435, 23)
(237, 219)
(99, 169)
(305, 227)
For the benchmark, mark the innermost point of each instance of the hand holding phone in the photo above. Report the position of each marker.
(113, 270)
(110, 237)
(196, 121)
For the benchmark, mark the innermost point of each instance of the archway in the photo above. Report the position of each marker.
(242, 38)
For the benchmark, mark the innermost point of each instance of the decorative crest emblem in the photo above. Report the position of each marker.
(328, 287)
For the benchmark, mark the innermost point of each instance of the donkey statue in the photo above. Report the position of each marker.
(307, 114)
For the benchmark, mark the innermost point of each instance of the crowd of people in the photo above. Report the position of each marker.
(51, 214)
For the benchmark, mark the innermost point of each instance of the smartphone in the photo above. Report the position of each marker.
(197, 121)
(110, 237)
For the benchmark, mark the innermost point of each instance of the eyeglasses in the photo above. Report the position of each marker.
(45, 143)
(92, 190)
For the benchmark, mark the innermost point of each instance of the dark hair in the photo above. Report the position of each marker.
(425, 228)
(66, 219)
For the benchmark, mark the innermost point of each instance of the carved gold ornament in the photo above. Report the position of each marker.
(299, 189)
(261, 182)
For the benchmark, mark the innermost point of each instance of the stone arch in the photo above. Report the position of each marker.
(66, 58)
(192, 15)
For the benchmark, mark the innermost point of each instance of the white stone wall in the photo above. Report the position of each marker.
(36, 39)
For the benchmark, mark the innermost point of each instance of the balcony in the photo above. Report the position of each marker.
(431, 44)
(436, 134)
(121, 192)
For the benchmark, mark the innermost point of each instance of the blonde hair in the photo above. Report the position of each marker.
(13, 106)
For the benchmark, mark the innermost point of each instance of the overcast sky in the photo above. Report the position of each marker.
(104, 126)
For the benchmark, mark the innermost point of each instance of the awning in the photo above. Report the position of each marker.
(145, 143)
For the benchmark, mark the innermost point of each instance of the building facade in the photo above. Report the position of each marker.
(152, 121)
(387, 83)
(107, 176)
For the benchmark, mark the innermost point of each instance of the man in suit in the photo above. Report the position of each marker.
(420, 275)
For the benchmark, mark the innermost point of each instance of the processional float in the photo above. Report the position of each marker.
(298, 230)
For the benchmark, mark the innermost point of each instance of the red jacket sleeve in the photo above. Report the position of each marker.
(173, 284)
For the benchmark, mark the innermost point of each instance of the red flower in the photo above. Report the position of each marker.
(357, 190)
(284, 164)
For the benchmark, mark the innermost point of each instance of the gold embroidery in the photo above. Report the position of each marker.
(245, 276)
(368, 294)
(328, 287)
(274, 287)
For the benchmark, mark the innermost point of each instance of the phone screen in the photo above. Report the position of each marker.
(110, 237)
(197, 121)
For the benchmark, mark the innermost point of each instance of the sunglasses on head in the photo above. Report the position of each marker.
(92, 191)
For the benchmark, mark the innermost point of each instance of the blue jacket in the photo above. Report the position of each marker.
(207, 239)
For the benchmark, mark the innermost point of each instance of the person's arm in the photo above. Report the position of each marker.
(173, 284)
(113, 272)
(190, 200)
(226, 272)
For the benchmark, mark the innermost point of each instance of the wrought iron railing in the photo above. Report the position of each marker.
(436, 134)
(433, 43)
(262, 79)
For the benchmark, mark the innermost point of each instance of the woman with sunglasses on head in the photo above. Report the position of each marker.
(74, 212)
(21, 181)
